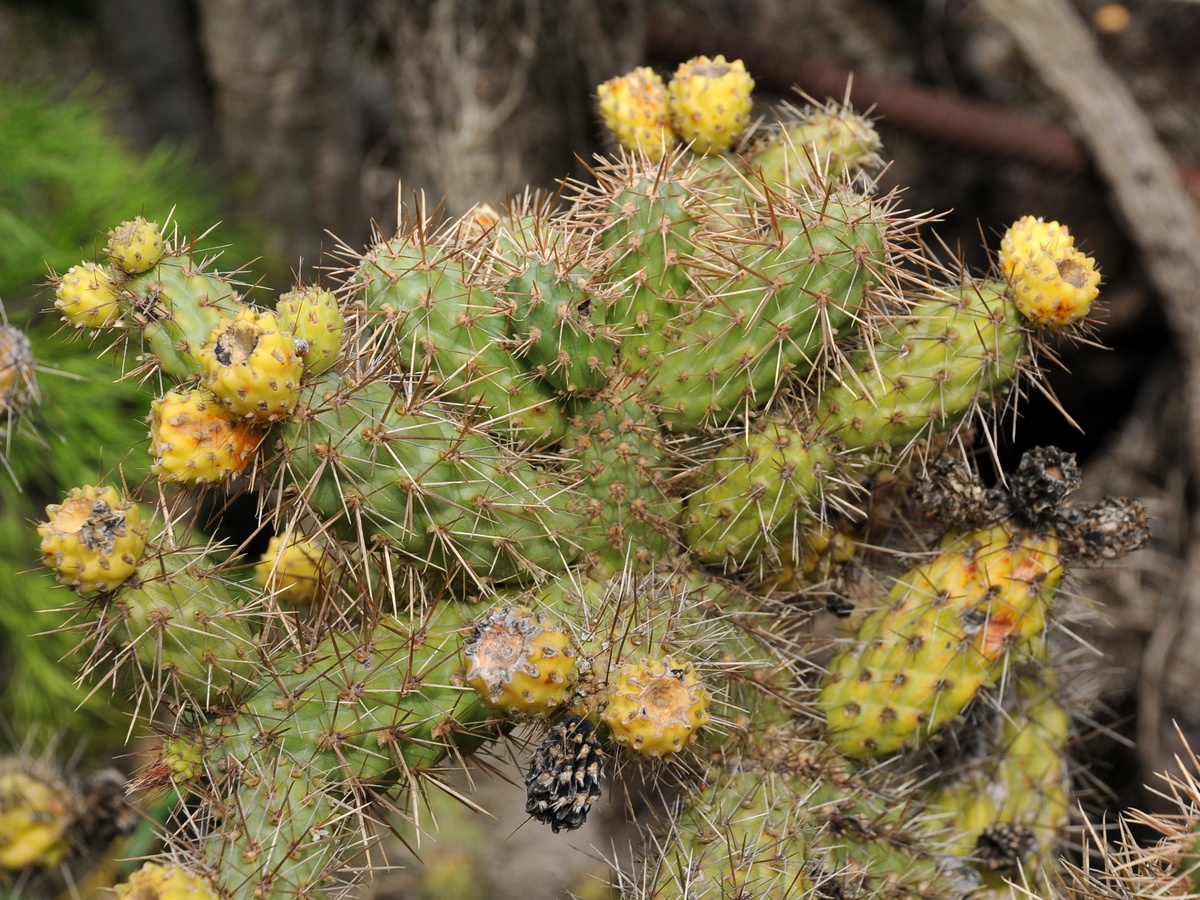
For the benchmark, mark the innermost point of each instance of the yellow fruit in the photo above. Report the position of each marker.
(87, 296)
(519, 663)
(710, 103)
(311, 315)
(135, 246)
(635, 109)
(36, 813)
(1053, 284)
(291, 570)
(94, 538)
(195, 440)
(656, 706)
(165, 881)
(252, 366)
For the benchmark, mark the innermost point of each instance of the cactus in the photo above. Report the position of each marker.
(537, 466)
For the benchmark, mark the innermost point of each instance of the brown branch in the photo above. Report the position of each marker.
(940, 114)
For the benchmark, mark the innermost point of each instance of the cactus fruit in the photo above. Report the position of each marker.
(312, 316)
(517, 662)
(710, 103)
(656, 706)
(949, 627)
(1009, 811)
(93, 539)
(47, 817)
(635, 107)
(166, 881)
(195, 440)
(563, 780)
(135, 246)
(1053, 284)
(18, 372)
(37, 810)
(183, 758)
(252, 367)
(87, 296)
(291, 570)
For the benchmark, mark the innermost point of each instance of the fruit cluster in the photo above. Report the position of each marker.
(548, 464)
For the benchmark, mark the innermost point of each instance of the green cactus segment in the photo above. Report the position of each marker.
(438, 491)
(177, 306)
(622, 461)
(949, 627)
(757, 833)
(789, 297)
(1010, 811)
(928, 370)
(757, 489)
(454, 331)
(825, 146)
(647, 242)
(188, 633)
(560, 326)
(288, 768)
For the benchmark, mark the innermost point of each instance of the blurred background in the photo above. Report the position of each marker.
(300, 124)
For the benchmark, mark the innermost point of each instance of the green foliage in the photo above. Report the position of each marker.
(67, 179)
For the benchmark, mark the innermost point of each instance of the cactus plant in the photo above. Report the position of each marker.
(543, 454)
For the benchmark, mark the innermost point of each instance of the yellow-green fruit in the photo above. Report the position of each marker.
(710, 103)
(656, 706)
(291, 570)
(18, 371)
(252, 366)
(37, 810)
(184, 759)
(93, 539)
(1053, 284)
(635, 109)
(165, 881)
(949, 626)
(195, 440)
(135, 246)
(312, 316)
(87, 296)
(519, 662)
(1011, 809)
